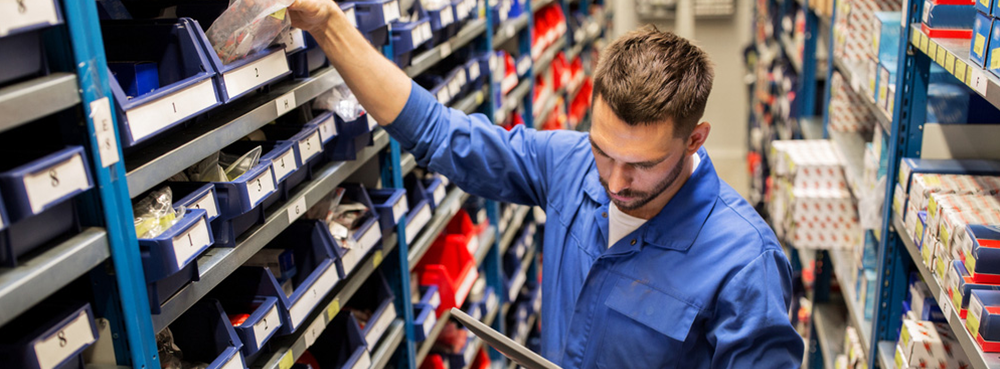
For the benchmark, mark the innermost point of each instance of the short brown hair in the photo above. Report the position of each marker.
(648, 76)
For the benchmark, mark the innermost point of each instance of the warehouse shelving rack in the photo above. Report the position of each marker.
(119, 178)
(908, 136)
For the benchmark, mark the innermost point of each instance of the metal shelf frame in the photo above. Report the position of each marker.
(445, 211)
(18, 103)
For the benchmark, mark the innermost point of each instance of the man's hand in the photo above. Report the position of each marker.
(312, 15)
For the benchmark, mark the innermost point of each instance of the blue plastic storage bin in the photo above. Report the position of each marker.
(204, 334)
(239, 203)
(343, 345)
(375, 14)
(368, 235)
(352, 137)
(38, 190)
(49, 335)
(196, 196)
(407, 37)
(429, 295)
(251, 291)
(307, 59)
(378, 299)
(170, 260)
(513, 278)
(517, 322)
(424, 320)
(185, 87)
(420, 207)
(477, 69)
(318, 269)
(326, 125)
(242, 76)
(436, 190)
(391, 205)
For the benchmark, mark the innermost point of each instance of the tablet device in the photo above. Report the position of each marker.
(506, 346)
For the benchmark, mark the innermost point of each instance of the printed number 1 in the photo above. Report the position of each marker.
(259, 185)
(257, 72)
(190, 242)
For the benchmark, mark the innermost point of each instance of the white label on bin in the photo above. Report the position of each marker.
(158, 114)
(370, 237)
(252, 75)
(400, 208)
(311, 146)
(380, 325)
(413, 226)
(284, 164)
(364, 362)
(266, 326)
(523, 65)
(463, 289)
(285, 103)
(443, 95)
(235, 362)
(350, 259)
(189, 243)
(474, 71)
(422, 34)
(260, 186)
(473, 244)
(327, 129)
(104, 129)
(314, 330)
(429, 323)
(515, 285)
(439, 193)
(435, 300)
(313, 294)
(296, 40)
(372, 123)
(48, 185)
(447, 15)
(445, 50)
(23, 13)
(297, 209)
(353, 19)
(207, 202)
(52, 350)
(390, 11)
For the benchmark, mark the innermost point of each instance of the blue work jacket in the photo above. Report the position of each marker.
(703, 284)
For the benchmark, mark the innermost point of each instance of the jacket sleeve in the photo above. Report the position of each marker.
(481, 158)
(751, 328)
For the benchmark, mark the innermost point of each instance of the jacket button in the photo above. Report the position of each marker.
(604, 214)
(633, 242)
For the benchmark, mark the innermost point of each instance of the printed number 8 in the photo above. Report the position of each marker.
(21, 8)
(55, 177)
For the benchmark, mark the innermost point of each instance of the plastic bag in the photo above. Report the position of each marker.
(154, 214)
(207, 170)
(323, 210)
(236, 166)
(342, 101)
(248, 26)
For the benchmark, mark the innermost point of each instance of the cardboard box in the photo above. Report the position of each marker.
(983, 320)
(981, 30)
(959, 284)
(921, 346)
(985, 253)
(984, 6)
(885, 38)
(922, 303)
(948, 14)
(909, 166)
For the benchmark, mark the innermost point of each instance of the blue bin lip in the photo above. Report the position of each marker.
(257, 170)
(155, 263)
(4, 219)
(318, 123)
(191, 198)
(219, 68)
(427, 296)
(375, 5)
(305, 134)
(400, 29)
(234, 340)
(355, 338)
(266, 303)
(280, 148)
(360, 194)
(386, 297)
(52, 327)
(39, 25)
(17, 211)
(385, 198)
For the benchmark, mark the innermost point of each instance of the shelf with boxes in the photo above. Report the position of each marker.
(955, 57)
(858, 313)
(217, 263)
(507, 29)
(424, 61)
(858, 86)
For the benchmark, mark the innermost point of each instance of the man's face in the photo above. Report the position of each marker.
(636, 163)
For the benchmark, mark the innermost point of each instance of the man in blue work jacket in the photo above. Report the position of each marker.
(651, 261)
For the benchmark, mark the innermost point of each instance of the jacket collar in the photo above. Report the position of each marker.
(676, 226)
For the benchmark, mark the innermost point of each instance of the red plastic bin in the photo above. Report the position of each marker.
(449, 265)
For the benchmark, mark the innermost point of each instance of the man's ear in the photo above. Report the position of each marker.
(697, 137)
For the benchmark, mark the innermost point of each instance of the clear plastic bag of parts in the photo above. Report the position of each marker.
(155, 213)
(248, 26)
